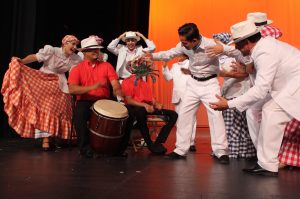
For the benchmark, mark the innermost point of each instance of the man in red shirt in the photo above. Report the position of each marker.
(89, 80)
(140, 103)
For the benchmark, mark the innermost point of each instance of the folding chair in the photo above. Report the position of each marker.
(154, 124)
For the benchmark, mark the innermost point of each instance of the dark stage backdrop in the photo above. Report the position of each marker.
(27, 25)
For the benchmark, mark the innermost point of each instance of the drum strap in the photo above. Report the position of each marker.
(105, 136)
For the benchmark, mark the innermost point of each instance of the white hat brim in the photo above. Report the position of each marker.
(137, 38)
(94, 47)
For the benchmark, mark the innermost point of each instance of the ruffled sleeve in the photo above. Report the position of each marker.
(45, 53)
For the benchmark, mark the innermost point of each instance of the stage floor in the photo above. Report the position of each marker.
(28, 172)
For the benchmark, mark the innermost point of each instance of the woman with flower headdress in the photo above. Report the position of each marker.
(236, 82)
(129, 51)
(37, 102)
(140, 102)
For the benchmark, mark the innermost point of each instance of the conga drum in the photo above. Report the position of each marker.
(107, 126)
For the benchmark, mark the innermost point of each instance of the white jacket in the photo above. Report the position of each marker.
(278, 71)
(121, 51)
(179, 79)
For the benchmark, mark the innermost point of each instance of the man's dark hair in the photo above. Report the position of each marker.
(190, 31)
(254, 38)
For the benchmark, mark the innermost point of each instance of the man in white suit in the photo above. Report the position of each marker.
(253, 113)
(277, 67)
(129, 51)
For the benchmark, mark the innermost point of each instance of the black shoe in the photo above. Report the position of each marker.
(174, 156)
(87, 153)
(223, 159)
(192, 148)
(157, 149)
(57, 144)
(258, 170)
(254, 158)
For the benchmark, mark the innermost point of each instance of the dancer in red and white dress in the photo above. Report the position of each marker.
(40, 99)
(289, 154)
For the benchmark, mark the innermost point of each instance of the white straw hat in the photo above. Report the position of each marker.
(89, 43)
(259, 18)
(130, 35)
(243, 30)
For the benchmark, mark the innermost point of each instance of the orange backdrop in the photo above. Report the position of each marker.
(213, 16)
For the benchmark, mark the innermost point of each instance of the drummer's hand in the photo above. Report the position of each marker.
(119, 93)
(149, 108)
(158, 106)
(98, 85)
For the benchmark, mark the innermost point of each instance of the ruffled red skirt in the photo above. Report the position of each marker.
(290, 149)
(33, 100)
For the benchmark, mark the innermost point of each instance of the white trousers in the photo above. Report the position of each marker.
(197, 92)
(273, 122)
(193, 137)
(253, 115)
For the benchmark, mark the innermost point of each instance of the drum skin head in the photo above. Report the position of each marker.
(110, 108)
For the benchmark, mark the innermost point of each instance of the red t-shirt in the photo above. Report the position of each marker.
(141, 92)
(84, 74)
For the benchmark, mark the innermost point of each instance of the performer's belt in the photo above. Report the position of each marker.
(201, 79)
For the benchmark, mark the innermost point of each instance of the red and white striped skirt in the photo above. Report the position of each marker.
(289, 153)
(33, 100)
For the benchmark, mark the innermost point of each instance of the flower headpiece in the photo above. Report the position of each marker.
(98, 39)
(69, 38)
(140, 67)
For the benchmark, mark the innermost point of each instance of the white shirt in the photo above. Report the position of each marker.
(55, 62)
(201, 65)
(179, 79)
(277, 67)
(124, 56)
(232, 87)
(130, 55)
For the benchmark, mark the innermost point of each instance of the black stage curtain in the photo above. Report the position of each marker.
(27, 25)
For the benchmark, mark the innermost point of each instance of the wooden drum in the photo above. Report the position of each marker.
(107, 126)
